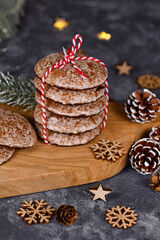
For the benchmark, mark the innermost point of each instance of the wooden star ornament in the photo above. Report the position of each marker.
(124, 68)
(100, 192)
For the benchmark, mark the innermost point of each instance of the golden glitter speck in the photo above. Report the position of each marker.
(104, 36)
(61, 23)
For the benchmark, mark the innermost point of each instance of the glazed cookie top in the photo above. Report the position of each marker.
(68, 77)
(15, 130)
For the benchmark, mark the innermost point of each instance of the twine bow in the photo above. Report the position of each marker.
(70, 58)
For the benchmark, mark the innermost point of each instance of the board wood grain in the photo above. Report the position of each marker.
(43, 167)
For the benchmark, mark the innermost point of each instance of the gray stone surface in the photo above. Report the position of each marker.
(134, 26)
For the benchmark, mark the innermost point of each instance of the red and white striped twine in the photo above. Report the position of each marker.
(69, 57)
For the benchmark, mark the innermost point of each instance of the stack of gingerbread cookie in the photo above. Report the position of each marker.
(74, 106)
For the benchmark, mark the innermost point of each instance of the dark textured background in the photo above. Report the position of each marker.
(135, 30)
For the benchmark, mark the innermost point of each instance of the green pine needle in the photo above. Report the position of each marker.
(10, 12)
(18, 92)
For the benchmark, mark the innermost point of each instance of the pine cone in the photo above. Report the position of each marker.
(66, 214)
(145, 156)
(142, 106)
(155, 182)
(155, 133)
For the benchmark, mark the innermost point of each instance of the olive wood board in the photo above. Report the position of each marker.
(43, 167)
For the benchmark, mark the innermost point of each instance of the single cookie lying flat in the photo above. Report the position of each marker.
(66, 96)
(15, 130)
(68, 77)
(5, 153)
(87, 109)
(63, 124)
(63, 139)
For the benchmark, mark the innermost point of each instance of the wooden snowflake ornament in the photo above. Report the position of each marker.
(121, 217)
(34, 212)
(149, 81)
(108, 150)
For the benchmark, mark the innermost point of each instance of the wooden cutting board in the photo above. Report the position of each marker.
(43, 167)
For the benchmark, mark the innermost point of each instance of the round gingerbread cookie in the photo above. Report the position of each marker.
(66, 96)
(63, 124)
(68, 77)
(15, 130)
(63, 139)
(76, 110)
(5, 153)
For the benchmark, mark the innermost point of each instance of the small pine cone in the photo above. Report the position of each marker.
(155, 182)
(142, 106)
(66, 214)
(155, 133)
(145, 156)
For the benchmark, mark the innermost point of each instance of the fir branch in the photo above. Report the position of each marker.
(18, 92)
(10, 12)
